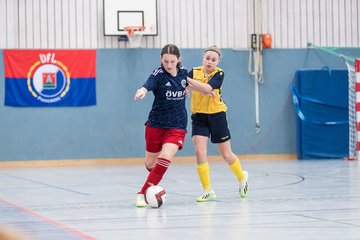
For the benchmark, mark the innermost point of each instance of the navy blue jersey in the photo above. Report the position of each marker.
(168, 109)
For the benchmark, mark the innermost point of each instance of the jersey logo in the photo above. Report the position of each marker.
(224, 138)
(157, 71)
(183, 83)
(174, 95)
(168, 84)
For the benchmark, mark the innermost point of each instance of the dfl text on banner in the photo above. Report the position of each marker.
(50, 78)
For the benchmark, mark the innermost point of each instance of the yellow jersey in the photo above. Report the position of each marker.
(201, 103)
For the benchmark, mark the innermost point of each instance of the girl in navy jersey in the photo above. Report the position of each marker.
(166, 126)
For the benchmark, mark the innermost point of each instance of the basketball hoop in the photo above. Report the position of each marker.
(134, 34)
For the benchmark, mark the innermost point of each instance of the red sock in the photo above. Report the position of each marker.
(156, 174)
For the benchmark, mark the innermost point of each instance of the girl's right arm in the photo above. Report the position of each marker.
(203, 88)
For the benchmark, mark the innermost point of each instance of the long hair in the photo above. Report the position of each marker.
(173, 50)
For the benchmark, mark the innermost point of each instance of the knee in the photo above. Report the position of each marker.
(200, 153)
(150, 163)
(229, 157)
(149, 168)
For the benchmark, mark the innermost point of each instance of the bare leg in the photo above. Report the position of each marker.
(150, 160)
(168, 151)
(200, 145)
(226, 152)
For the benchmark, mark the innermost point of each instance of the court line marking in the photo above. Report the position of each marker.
(45, 184)
(301, 179)
(48, 220)
(326, 220)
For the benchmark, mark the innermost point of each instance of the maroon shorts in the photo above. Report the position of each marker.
(157, 137)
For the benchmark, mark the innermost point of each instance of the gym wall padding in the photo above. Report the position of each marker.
(321, 103)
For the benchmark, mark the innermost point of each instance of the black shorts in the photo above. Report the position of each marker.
(214, 126)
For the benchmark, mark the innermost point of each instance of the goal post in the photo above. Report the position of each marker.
(357, 89)
(354, 109)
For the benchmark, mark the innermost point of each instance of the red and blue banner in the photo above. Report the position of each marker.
(50, 78)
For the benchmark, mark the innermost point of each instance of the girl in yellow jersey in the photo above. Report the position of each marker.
(209, 121)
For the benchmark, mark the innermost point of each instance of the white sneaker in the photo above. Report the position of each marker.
(243, 189)
(206, 196)
(140, 200)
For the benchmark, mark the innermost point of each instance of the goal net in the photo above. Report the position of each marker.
(354, 109)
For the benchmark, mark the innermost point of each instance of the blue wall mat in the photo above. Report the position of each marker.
(321, 103)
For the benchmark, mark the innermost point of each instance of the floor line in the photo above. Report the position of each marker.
(46, 184)
(48, 220)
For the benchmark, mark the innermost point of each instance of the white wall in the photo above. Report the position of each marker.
(187, 23)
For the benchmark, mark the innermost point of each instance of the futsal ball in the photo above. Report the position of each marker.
(155, 196)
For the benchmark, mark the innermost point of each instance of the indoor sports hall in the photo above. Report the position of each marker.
(72, 138)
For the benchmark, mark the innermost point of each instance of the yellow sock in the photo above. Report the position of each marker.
(203, 170)
(237, 170)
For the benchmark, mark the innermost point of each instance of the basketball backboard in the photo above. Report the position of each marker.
(120, 14)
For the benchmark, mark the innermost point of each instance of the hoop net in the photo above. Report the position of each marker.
(354, 109)
(134, 34)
